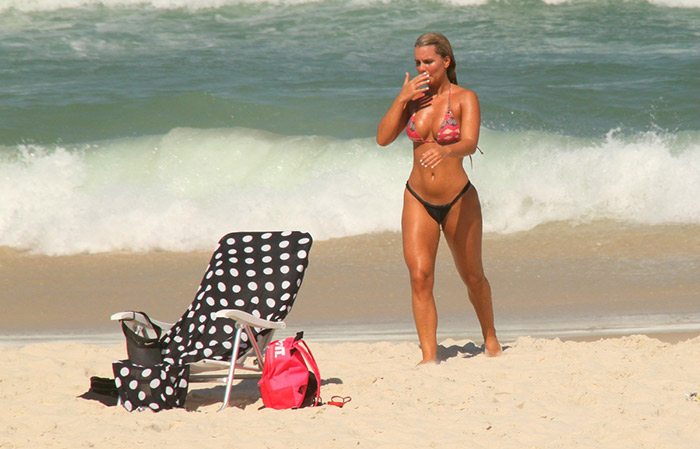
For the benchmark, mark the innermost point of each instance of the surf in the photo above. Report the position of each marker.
(181, 190)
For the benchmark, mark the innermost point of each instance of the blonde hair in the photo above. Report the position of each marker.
(443, 48)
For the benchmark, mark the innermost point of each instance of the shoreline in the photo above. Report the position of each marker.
(594, 279)
(377, 333)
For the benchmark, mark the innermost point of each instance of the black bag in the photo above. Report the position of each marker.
(103, 390)
(157, 387)
(142, 349)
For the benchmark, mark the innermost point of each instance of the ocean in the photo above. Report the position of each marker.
(160, 125)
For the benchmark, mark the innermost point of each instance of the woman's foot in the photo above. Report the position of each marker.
(428, 362)
(492, 348)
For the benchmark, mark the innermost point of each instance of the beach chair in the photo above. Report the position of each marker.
(247, 290)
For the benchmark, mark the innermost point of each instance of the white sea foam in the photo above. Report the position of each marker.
(676, 3)
(645, 179)
(661, 3)
(182, 190)
(194, 5)
(55, 5)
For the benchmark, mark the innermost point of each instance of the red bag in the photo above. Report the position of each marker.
(286, 380)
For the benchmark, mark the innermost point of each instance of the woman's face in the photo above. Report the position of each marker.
(427, 60)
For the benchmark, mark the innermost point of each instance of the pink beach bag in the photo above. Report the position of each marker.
(286, 380)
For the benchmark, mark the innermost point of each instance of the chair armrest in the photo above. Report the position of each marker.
(247, 318)
(140, 319)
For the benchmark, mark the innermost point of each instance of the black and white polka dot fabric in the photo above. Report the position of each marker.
(158, 387)
(257, 272)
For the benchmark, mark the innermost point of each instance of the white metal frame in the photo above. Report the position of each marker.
(244, 323)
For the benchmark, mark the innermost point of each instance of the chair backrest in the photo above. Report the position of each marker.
(257, 272)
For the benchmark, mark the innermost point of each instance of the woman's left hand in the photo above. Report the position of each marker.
(433, 156)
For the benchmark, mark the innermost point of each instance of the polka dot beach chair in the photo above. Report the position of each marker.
(247, 290)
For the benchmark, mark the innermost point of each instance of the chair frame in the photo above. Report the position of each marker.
(244, 322)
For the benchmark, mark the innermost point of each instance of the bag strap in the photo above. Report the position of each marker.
(309, 358)
(139, 338)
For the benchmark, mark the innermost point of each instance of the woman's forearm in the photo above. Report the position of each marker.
(462, 148)
(390, 126)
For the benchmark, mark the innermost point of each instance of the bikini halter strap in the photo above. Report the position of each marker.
(449, 96)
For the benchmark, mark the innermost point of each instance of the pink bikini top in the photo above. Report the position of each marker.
(449, 130)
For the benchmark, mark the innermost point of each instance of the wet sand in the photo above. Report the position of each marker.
(556, 280)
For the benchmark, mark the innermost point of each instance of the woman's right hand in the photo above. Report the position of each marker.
(395, 119)
(415, 88)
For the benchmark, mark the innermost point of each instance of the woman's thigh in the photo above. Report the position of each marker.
(420, 234)
(463, 232)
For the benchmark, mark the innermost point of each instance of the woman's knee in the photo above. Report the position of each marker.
(422, 280)
(476, 281)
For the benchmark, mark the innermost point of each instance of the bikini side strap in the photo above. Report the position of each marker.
(471, 162)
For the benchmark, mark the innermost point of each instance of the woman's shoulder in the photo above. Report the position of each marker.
(463, 94)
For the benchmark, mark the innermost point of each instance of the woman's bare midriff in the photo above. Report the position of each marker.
(440, 184)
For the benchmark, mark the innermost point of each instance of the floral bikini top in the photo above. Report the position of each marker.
(449, 130)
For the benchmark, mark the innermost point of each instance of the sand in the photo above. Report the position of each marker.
(626, 392)
(556, 280)
(558, 290)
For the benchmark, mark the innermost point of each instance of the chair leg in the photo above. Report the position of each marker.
(232, 368)
(256, 347)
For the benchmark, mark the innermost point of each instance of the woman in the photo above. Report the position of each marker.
(442, 119)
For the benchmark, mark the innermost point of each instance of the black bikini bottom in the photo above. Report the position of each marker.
(438, 212)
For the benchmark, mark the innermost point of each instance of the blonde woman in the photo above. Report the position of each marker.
(442, 120)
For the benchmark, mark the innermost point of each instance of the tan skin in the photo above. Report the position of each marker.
(438, 176)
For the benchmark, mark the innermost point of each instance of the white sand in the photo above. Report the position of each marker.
(617, 393)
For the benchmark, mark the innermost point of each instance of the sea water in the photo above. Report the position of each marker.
(145, 125)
